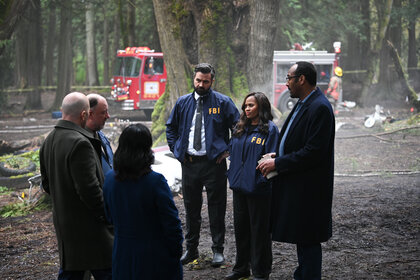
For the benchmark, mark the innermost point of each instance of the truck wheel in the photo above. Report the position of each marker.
(148, 114)
(286, 103)
(7, 172)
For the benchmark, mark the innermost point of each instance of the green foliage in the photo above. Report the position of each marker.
(79, 62)
(17, 162)
(159, 119)
(25, 207)
(240, 85)
(6, 69)
(4, 190)
(320, 21)
(177, 8)
(414, 119)
(22, 160)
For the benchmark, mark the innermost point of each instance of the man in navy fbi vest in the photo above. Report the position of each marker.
(197, 132)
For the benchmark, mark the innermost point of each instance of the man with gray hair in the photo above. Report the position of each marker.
(98, 115)
(72, 175)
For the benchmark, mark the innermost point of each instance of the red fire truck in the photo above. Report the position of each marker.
(139, 79)
(282, 61)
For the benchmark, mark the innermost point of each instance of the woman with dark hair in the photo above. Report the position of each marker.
(139, 203)
(254, 135)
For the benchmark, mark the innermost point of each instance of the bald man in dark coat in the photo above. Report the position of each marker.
(72, 175)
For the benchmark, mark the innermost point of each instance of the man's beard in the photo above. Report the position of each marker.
(201, 91)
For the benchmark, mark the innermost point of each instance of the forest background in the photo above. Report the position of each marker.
(57, 45)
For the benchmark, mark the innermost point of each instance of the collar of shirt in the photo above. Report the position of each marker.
(306, 98)
(196, 95)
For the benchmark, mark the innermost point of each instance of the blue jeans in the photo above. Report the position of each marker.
(98, 274)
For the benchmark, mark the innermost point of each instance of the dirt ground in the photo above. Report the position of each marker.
(376, 211)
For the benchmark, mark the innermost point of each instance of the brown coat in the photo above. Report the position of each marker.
(72, 174)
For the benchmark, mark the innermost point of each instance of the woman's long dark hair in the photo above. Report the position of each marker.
(264, 112)
(134, 154)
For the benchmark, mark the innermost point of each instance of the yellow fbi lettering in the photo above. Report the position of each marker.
(214, 111)
(258, 141)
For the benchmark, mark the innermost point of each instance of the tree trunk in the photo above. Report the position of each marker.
(384, 83)
(177, 66)
(64, 55)
(263, 19)
(407, 89)
(212, 22)
(10, 19)
(51, 42)
(105, 49)
(120, 18)
(21, 55)
(131, 23)
(395, 28)
(92, 69)
(383, 21)
(115, 43)
(412, 48)
(365, 44)
(34, 55)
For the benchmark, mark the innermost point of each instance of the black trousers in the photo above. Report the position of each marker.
(310, 262)
(196, 173)
(251, 215)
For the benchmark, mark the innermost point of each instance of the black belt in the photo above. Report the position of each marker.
(192, 158)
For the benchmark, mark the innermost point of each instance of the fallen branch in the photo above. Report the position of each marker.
(377, 173)
(376, 135)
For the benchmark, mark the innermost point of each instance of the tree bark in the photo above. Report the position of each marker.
(263, 19)
(407, 89)
(64, 55)
(131, 23)
(34, 55)
(92, 69)
(177, 66)
(213, 23)
(51, 43)
(412, 48)
(115, 42)
(105, 49)
(383, 21)
(21, 53)
(15, 10)
(120, 18)
(365, 44)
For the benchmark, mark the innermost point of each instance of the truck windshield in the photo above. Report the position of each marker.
(153, 66)
(127, 67)
(323, 73)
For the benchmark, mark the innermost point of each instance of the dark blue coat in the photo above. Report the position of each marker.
(245, 151)
(303, 190)
(220, 115)
(148, 234)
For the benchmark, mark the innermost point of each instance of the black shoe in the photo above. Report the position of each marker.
(189, 256)
(218, 260)
(236, 275)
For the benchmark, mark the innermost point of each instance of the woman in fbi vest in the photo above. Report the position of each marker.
(254, 135)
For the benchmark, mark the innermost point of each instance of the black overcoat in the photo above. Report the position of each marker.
(72, 174)
(303, 190)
